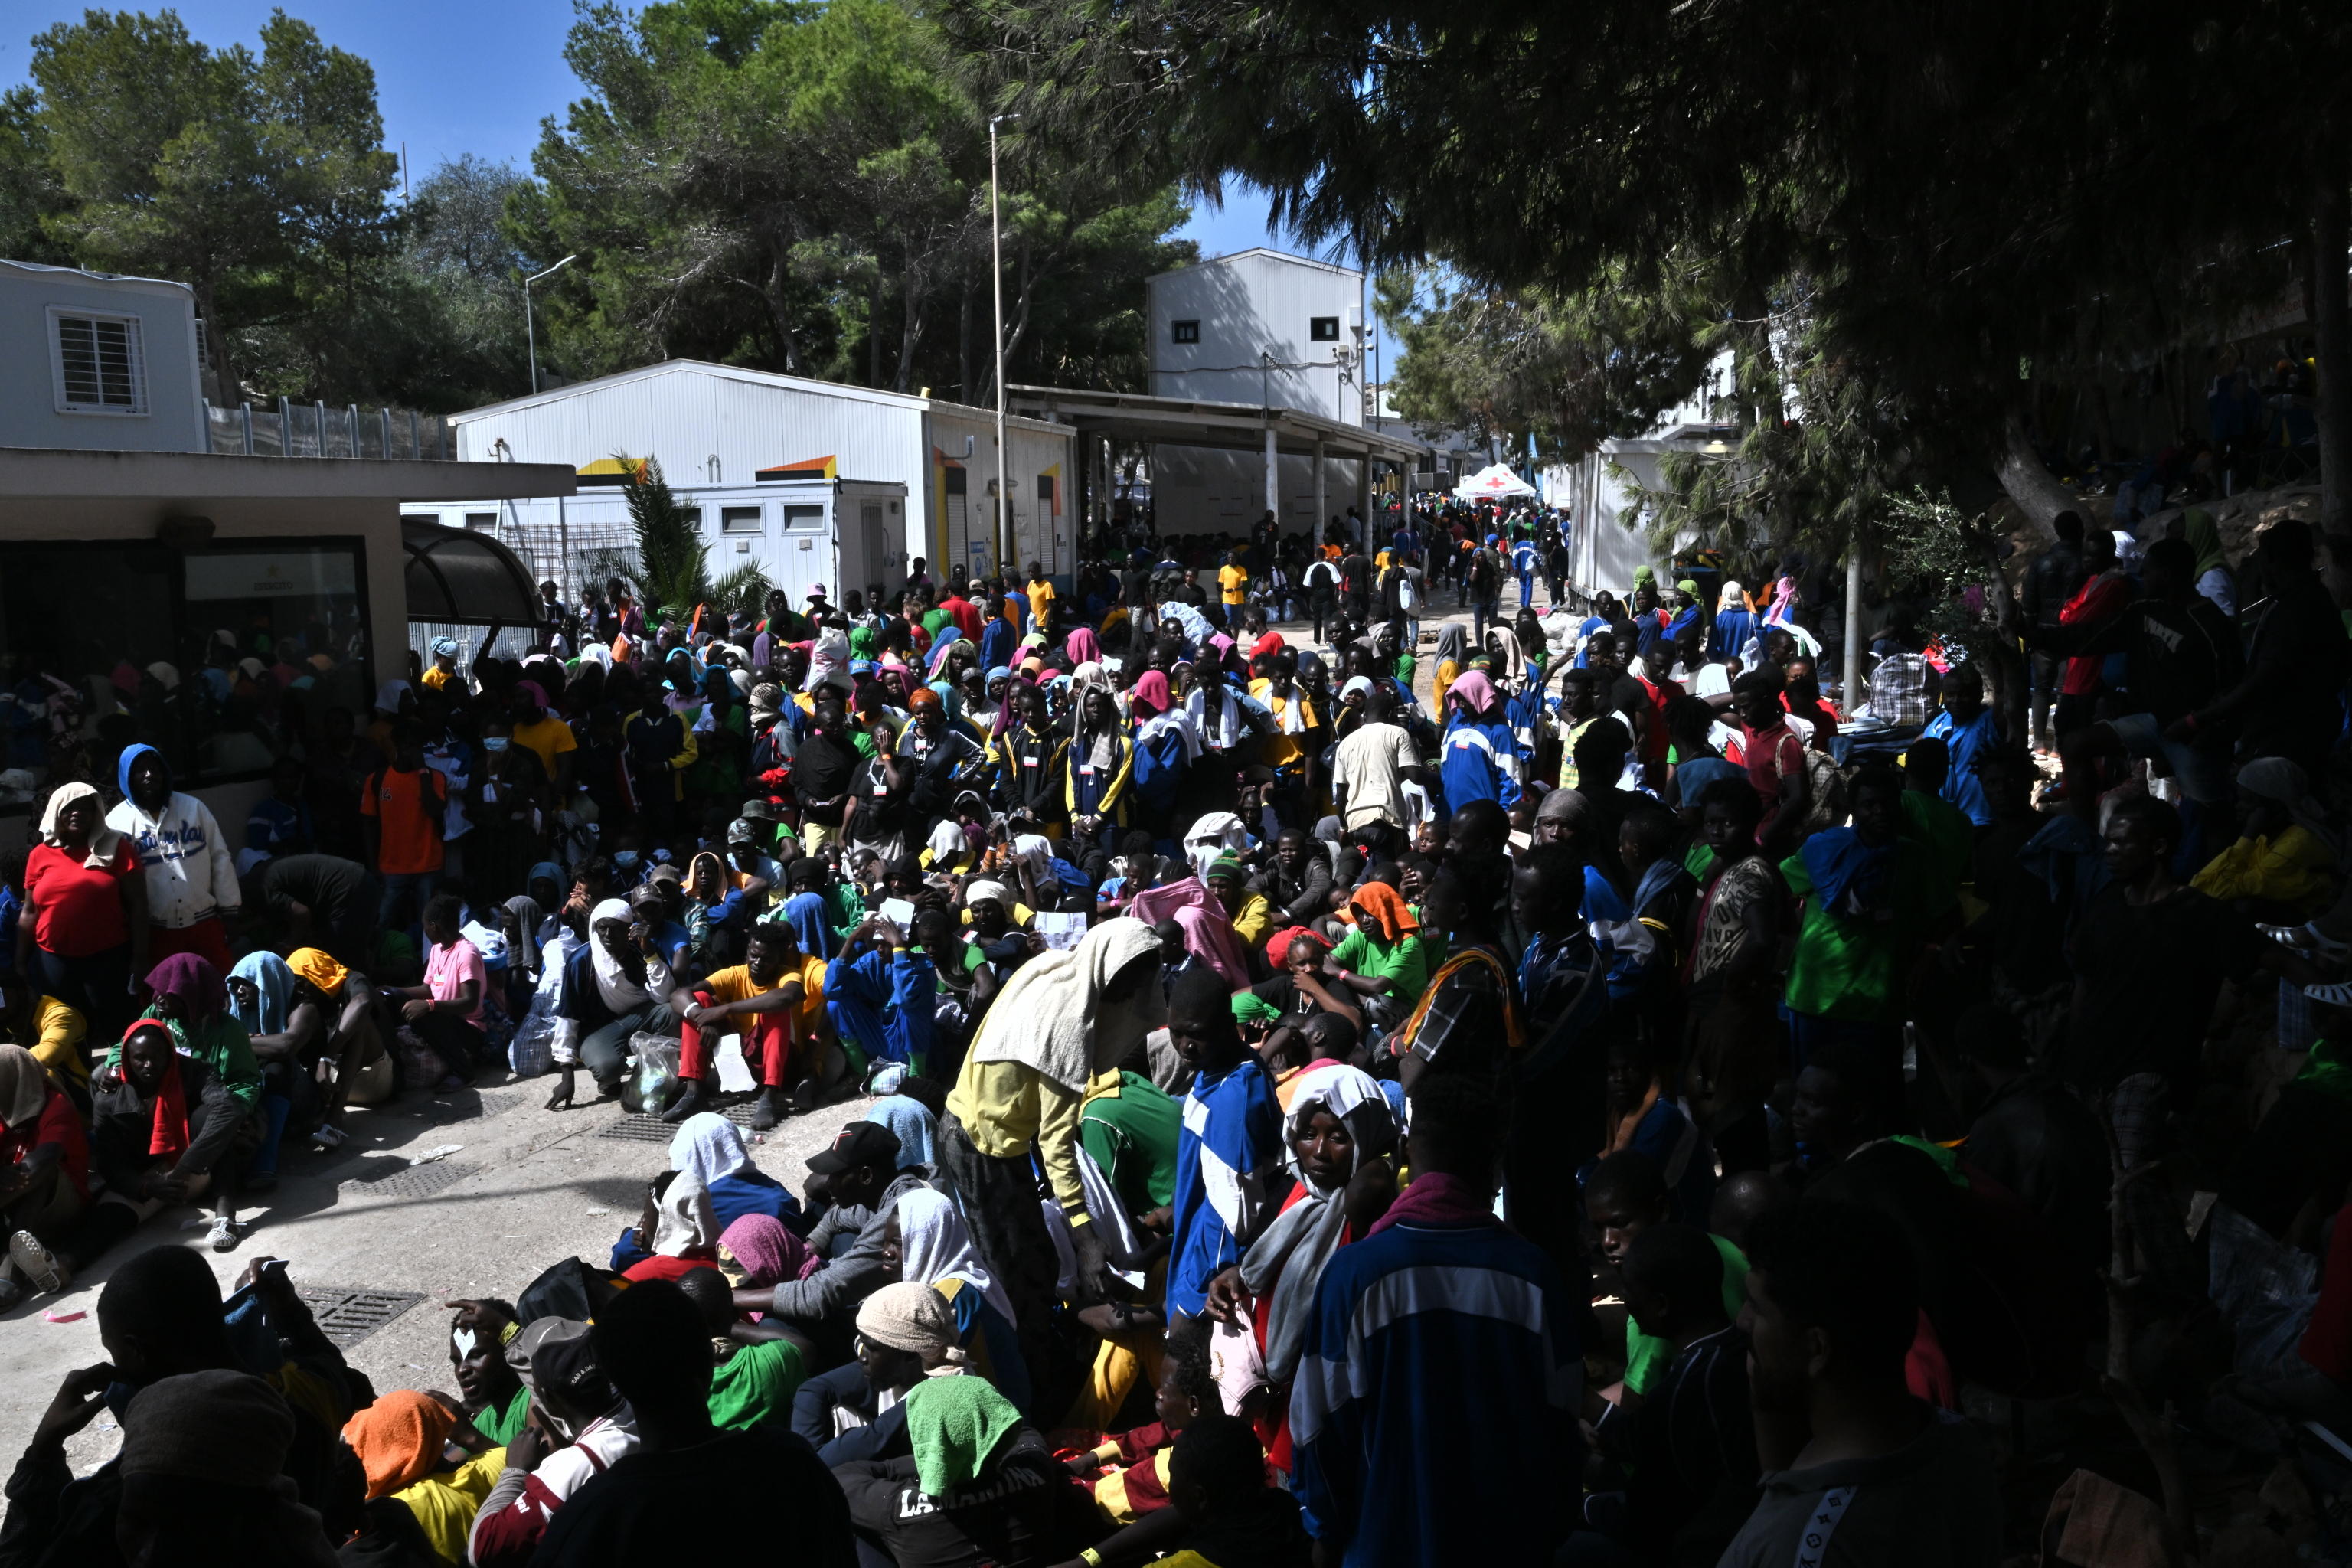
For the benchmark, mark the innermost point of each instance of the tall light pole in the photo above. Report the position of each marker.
(996, 266)
(530, 333)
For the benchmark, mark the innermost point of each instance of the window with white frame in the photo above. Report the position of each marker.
(98, 363)
(738, 520)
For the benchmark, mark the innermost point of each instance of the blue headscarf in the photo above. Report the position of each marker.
(912, 1119)
(273, 984)
(805, 913)
(1849, 876)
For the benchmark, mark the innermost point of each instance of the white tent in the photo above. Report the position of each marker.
(1494, 483)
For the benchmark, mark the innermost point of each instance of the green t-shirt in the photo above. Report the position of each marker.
(1851, 968)
(755, 1386)
(1131, 1131)
(1404, 961)
(933, 619)
(1950, 838)
(1646, 1358)
(499, 1425)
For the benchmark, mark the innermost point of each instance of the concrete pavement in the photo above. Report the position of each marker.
(525, 1187)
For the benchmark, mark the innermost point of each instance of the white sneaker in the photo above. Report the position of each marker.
(223, 1236)
(36, 1263)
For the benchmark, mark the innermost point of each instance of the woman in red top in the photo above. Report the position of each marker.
(43, 1166)
(84, 933)
(1340, 1133)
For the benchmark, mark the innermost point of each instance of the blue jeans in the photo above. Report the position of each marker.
(1482, 612)
(413, 888)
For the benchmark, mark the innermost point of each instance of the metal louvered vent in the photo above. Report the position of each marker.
(347, 1317)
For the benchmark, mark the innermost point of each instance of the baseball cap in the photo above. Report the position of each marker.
(859, 1143)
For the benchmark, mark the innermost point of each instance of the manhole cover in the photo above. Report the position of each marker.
(411, 1181)
(347, 1317)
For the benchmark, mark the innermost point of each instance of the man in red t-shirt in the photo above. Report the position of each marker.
(2105, 594)
(1774, 757)
(965, 613)
(402, 808)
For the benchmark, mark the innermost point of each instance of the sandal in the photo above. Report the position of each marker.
(38, 1263)
(223, 1236)
(2335, 994)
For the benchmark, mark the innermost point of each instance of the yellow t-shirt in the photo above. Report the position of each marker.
(736, 984)
(1041, 593)
(550, 738)
(434, 678)
(445, 1504)
(1231, 579)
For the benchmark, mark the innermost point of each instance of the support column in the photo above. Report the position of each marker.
(1851, 677)
(1364, 496)
(1272, 475)
(1322, 496)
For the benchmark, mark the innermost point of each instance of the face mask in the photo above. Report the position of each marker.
(625, 858)
(494, 742)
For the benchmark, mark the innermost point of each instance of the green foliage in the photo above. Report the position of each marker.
(1946, 192)
(1570, 369)
(672, 569)
(742, 591)
(259, 180)
(805, 188)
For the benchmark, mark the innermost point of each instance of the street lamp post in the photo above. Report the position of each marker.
(996, 268)
(529, 331)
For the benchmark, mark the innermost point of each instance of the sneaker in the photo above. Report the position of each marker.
(328, 1136)
(764, 1113)
(223, 1236)
(687, 1103)
(804, 1097)
(2336, 994)
(38, 1263)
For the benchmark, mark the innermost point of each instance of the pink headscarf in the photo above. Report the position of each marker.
(1151, 696)
(1208, 928)
(768, 1252)
(1082, 647)
(1476, 692)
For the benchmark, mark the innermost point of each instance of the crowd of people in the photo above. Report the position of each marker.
(1562, 1088)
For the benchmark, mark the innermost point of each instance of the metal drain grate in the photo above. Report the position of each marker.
(347, 1317)
(493, 1102)
(411, 1181)
(638, 1130)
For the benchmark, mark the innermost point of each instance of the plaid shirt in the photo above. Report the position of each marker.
(1899, 689)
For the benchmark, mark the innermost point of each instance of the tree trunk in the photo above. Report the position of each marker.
(912, 296)
(226, 391)
(873, 332)
(2026, 481)
(779, 306)
(2329, 241)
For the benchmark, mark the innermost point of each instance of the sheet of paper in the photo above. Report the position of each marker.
(899, 912)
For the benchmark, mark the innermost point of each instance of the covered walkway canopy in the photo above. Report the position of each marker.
(459, 578)
(1131, 417)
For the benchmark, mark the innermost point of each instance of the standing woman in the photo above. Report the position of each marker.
(1062, 1018)
(85, 919)
(504, 800)
(1101, 766)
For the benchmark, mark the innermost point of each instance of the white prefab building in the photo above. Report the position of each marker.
(1266, 331)
(98, 362)
(809, 480)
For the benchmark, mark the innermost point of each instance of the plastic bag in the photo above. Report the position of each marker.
(653, 1083)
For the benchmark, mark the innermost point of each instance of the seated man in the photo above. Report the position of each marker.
(857, 1411)
(756, 1368)
(859, 1177)
(980, 1485)
(779, 997)
(166, 1129)
(582, 1430)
